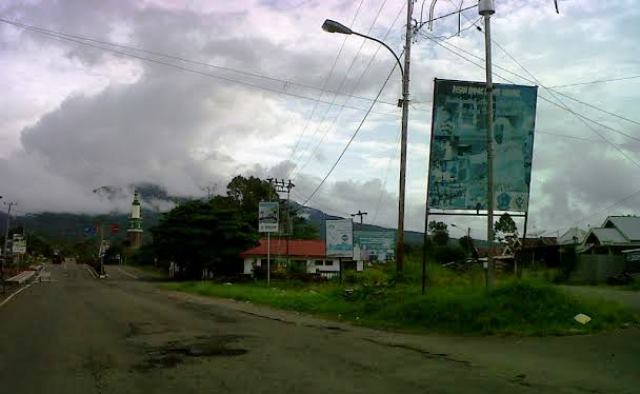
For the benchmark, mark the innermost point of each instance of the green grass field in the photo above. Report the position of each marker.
(454, 303)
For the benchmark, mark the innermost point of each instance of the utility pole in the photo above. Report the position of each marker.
(403, 143)
(361, 214)
(284, 186)
(486, 8)
(5, 252)
(7, 225)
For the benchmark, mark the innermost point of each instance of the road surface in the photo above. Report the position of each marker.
(77, 334)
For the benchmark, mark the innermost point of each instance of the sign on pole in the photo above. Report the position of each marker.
(374, 245)
(339, 242)
(268, 217)
(458, 159)
(19, 246)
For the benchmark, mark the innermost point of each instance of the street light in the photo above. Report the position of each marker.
(336, 27)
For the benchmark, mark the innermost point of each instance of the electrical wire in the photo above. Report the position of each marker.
(89, 42)
(594, 82)
(324, 84)
(528, 80)
(355, 133)
(356, 85)
(342, 82)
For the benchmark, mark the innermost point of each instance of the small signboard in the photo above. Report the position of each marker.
(268, 217)
(19, 246)
(374, 245)
(339, 242)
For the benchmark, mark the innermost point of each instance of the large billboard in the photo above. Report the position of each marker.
(268, 216)
(339, 242)
(458, 160)
(374, 245)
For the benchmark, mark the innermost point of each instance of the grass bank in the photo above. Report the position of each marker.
(454, 304)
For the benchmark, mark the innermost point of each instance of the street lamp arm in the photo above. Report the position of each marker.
(386, 46)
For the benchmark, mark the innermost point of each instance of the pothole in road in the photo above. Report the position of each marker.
(176, 352)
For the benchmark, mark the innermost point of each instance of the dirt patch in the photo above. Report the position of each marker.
(174, 353)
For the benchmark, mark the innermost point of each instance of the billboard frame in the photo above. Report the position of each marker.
(463, 212)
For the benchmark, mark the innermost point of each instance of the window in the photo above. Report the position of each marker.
(319, 262)
(329, 262)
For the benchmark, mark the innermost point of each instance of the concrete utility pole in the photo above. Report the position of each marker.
(486, 8)
(361, 214)
(403, 142)
(284, 186)
(331, 26)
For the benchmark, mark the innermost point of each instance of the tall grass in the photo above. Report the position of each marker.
(454, 302)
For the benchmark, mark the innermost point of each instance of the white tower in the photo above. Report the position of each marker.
(135, 223)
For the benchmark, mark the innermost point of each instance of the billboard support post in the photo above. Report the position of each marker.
(486, 9)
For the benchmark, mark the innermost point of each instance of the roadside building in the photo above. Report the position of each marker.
(606, 251)
(310, 253)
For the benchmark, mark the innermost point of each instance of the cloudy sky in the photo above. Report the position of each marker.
(187, 94)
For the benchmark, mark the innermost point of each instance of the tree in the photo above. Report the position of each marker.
(200, 235)
(440, 233)
(505, 228)
(246, 194)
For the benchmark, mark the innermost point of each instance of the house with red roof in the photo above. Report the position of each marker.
(310, 252)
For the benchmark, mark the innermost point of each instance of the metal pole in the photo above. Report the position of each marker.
(6, 229)
(269, 258)
(486, 9)
(424, 247)
(403, 143)
(524, 237)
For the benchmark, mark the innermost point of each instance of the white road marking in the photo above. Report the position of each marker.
(91, 272)
(13, 295)
(126, 273)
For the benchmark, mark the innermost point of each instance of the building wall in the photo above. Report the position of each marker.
(326, 267)
(594, 268)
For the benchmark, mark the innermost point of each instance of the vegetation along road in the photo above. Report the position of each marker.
(76, 334)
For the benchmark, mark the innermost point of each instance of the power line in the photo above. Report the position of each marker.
(89, 42)
(595, 82)
(350, 140)
(324, 84)
(342, 82)
(528, 80)
(366, 69)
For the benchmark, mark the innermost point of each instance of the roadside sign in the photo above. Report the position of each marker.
(115, 228)
(19, 246)
(268, 217)
(339, 242)
(374, 245)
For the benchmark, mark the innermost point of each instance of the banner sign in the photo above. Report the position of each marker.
(339, 242)
(374, 245)
(458, 159)
(268, 216)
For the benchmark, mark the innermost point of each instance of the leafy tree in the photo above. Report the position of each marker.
(505, 228)
(204, 234)
(440, 232)
(246, 194)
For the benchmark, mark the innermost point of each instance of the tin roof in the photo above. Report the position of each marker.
(629, 226)
(297, 248)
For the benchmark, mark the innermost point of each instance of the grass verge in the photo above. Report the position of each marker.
(514, 308)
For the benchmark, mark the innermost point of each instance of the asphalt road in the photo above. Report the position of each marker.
(77, 334)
